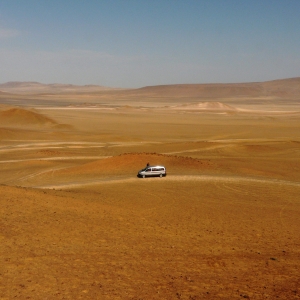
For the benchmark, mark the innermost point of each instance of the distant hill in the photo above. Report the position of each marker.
(276, 88)
(17, 87)
(284, 88)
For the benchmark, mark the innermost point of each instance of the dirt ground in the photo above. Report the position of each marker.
(77, 223)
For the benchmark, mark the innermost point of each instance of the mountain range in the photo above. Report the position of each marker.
(283, 88)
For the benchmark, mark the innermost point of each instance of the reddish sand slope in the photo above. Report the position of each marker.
(19, 116)
(151, 239)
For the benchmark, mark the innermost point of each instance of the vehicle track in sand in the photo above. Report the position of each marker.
(50, 145)
(54, 158)
(66, 145)
(237, 186)
(218, 179)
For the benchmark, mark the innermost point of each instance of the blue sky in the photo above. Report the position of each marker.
(135, 43)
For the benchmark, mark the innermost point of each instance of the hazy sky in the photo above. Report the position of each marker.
(134, 43)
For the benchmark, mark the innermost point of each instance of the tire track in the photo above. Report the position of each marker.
(27, 178)
(53, 158)
(181, 178)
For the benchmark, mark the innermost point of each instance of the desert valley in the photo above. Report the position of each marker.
(77, 223)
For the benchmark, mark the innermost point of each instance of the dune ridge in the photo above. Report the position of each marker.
(15, 116)
(132, 162)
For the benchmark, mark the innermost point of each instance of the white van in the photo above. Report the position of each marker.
(151, 171)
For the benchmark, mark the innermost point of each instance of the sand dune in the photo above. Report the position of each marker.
(19, 116)
(132, 162)
(124, 165)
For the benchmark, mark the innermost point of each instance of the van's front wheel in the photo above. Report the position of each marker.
(144, 176)
(160, 175)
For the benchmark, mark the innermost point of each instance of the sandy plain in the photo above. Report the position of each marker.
(76, 222)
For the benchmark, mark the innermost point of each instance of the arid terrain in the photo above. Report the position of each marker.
(77, 223)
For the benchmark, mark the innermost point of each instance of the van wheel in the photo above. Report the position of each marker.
(160, 175)
(143, 176)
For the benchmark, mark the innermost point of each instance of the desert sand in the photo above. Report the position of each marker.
(77, 223)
